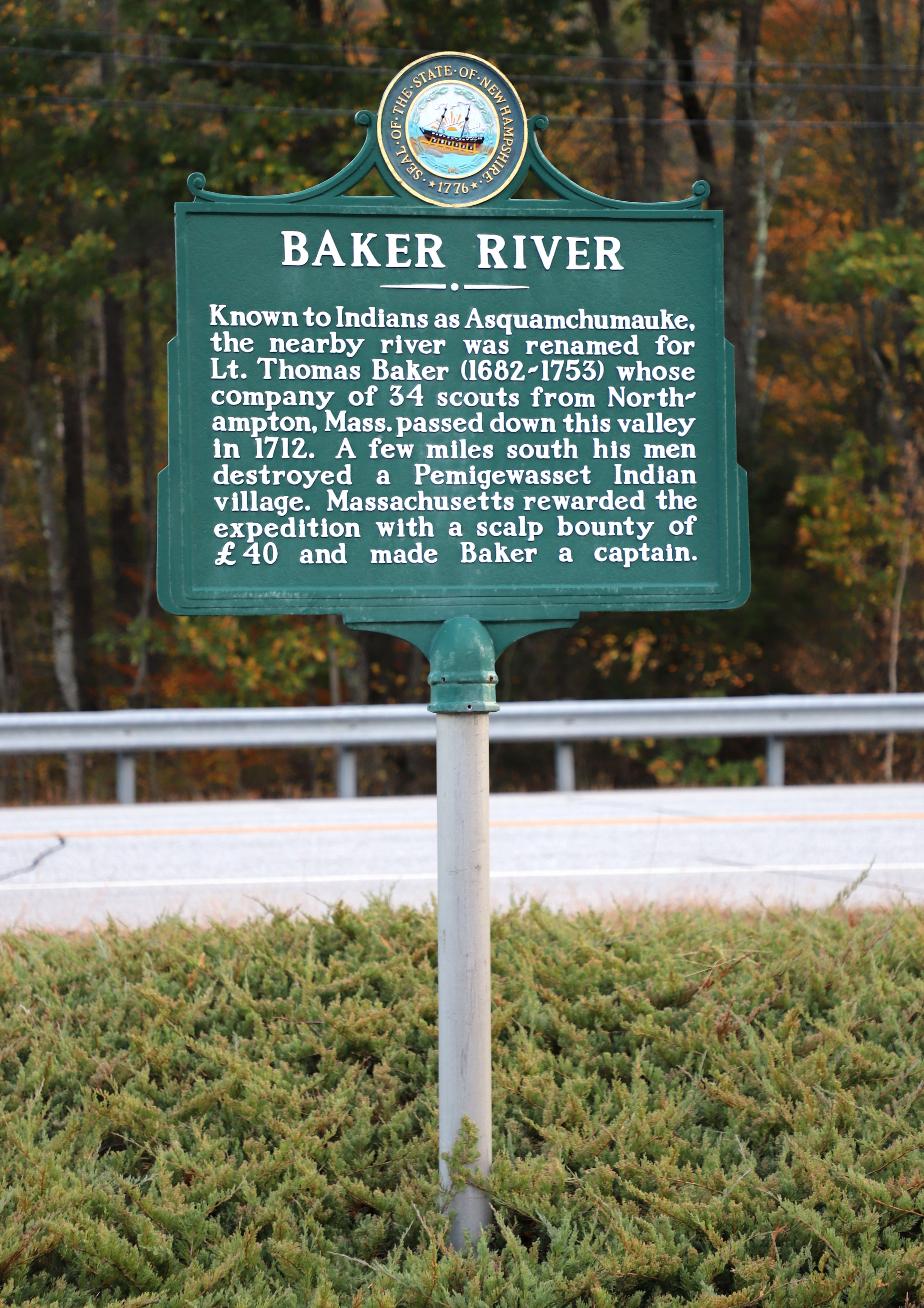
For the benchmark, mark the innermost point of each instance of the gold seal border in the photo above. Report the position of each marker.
(426, 59)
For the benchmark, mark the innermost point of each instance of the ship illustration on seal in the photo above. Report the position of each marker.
(441, 137)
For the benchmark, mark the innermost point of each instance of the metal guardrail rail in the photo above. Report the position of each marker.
(128, 732)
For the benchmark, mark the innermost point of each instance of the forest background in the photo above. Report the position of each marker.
(804, 115)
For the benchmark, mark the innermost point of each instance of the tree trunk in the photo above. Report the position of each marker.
(740, 222)
(356, 677)
(895, 633)
(62, 632)
(62, 629)
(659, 12)
(148, 510)
(124, 553)
(693, 108)
(767, 183)
(912, 106)
(79, 567)
(874, 107)
(613, 67)
(9, 698)
(333, 664)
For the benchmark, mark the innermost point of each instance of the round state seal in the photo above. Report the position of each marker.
(452, 130)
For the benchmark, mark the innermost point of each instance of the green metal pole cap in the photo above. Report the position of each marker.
(462, 677)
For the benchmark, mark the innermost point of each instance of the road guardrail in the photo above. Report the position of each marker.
(349, 728)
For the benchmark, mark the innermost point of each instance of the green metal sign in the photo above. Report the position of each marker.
(450, 401)
(457, 416)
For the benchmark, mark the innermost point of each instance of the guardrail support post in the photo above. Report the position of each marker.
(125, 778)
(564, 765)
(462, 680)
(775, 767)
(346, 774)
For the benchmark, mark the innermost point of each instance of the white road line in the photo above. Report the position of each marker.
(819, 870)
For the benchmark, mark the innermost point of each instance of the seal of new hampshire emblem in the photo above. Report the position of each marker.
(452, 130)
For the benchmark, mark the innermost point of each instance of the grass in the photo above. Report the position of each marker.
(690, 1108)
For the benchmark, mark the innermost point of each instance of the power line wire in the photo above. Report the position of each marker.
(405, 52)
(211, 106)
(319, 112)
(369, 70)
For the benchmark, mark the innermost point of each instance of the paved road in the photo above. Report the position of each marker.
(68, 867)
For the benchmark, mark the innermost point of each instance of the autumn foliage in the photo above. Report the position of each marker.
(806, 120)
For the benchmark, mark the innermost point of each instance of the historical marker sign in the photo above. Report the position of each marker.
(460, 417)
(449, 400)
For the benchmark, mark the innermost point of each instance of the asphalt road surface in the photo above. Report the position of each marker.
(67, 868)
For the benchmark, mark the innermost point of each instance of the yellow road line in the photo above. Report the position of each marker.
(308, 828)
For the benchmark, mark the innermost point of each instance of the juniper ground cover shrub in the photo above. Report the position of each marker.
(691, 1108)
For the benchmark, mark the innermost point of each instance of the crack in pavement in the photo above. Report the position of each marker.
(39, 858)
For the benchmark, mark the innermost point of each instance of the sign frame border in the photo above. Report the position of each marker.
(554, 603)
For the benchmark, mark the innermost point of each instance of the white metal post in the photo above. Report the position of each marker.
(346, 773)
(125, 778)
(565, 778)
(464, 929)
(775, 774)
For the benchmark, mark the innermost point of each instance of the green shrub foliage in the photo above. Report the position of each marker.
(690, 1108)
